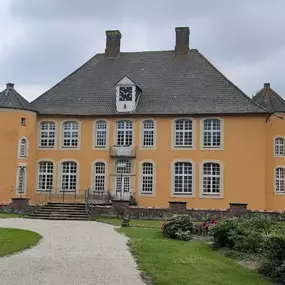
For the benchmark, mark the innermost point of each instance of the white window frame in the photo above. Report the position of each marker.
(173, 134)
(22, 166)
(48, 131)
(60, 176)
(142, 130)
(147, 194)
(25, 146)
(53, 175)
(172, 178)
(274, 146)
(221, 147)
(201, 178)
(275, 180)
(62, 136)
(95, 134)
(125, 129)
(94, 174)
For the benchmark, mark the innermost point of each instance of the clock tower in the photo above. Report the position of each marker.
(127, 95)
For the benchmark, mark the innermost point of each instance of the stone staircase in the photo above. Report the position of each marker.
(61, 211)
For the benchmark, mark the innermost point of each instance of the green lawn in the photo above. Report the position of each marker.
(171, 262)
(133, 223)
(14, 240)
(8, 215)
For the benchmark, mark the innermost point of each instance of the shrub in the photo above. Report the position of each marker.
(179, 227)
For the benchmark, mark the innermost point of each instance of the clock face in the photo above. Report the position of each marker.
(125, 94)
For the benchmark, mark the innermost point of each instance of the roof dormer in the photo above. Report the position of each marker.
(127, 95)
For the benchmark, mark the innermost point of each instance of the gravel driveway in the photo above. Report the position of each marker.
(72, 253)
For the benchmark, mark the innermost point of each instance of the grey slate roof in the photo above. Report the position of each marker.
(10, 98)
(171, 84)
(269, 99)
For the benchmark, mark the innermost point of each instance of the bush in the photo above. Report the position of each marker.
(242, 234)
(274, 264)
(179, 227)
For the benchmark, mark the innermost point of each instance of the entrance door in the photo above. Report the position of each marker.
(123, 179)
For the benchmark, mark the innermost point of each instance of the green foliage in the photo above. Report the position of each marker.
(179, 227)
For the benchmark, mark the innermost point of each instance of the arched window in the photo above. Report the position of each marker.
(123, 177)
(148, 133)
(212, 133)
(147, 178)
(47, 134)
(211, 178)
(23, 148)
(279, 180)
(68, 176)
(124, 133)
(21, 180)
(279, 146)
(45, 176)
(183, 178)
(101, 134)
(70, 135)
(99, 177)
(183, 133)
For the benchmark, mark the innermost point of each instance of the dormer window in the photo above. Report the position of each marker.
(126, 93)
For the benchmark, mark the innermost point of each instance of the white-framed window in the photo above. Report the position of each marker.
(183, 178)
(123, 176)
(148, 133)
(69, 171)
(70, 134)
(21, 180)
(279, 146)
(101, 134)
(124, 133)
(212, 133)
(147, 178)
(211, 179)
(183, 129)
(279, 180)
(45, 176)
(99, 177)
(47, 134)
(23, 148)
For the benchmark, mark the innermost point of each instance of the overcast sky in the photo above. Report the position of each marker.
(42, 41)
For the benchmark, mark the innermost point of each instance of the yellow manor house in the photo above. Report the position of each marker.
(153, 126)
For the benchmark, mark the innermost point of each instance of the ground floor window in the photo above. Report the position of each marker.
(279, 180)
(99, 177)
(45, 176)
(69, 176)
(21, 180)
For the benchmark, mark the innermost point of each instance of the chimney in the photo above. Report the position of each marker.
(266, 85)
(10, 85)
(113, 43)
(182, 40)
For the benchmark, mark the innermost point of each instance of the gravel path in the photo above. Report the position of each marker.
(71, 253)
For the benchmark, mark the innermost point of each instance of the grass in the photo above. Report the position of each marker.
(133, 223)
(9, 215)
(170, 262)
(15, 240)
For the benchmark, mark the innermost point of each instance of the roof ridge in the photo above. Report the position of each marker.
(279, 98)
(250, 100)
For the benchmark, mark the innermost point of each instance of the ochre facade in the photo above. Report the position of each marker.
(246, 157)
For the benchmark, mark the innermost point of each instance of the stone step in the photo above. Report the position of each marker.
(61, 218)
(65, 204)
(59, 215)
(44, 210)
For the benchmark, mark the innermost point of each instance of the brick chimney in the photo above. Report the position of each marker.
(10, 85)
(182, 40)
(266, 85)
(113, 43)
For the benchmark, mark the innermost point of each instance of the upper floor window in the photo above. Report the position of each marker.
(279, 180)
(279, 146)
(183, 178)
(124, 133)
(47, 134)
(101, 134)
(147, 177)
(211, 179)
(45, 176)
(183, 133)
(211, 133)
(148, 134)
(70, 134)
(99, 177)
(68, 176)
(23, 148)
(21, 180)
